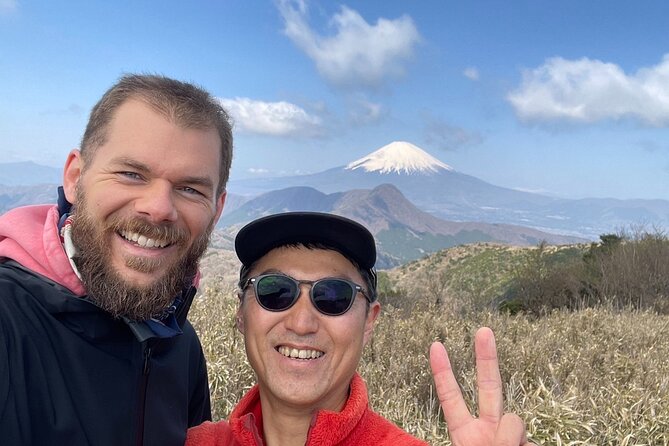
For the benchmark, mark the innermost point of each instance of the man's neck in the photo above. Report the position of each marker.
(285, 426)
(288, 425)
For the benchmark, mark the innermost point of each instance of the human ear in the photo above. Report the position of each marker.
(240, 319)
(370, 319)
(71, 174)
(220, 202)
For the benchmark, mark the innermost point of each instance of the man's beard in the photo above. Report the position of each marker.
(107, 288)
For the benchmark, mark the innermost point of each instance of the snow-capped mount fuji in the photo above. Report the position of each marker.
(399, 157)
(427, 182)
(442, 191)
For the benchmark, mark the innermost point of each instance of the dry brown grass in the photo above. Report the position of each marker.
(595, 377)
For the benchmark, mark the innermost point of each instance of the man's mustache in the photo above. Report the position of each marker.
(167, 232)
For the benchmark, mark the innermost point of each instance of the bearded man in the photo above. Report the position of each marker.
(95, 347)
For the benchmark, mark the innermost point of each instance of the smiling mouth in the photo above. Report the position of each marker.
(143, 241)
(295, 353)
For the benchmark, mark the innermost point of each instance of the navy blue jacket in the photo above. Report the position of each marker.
(72, 375)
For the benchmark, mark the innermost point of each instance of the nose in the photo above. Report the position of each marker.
(302, 317)
(156, 202)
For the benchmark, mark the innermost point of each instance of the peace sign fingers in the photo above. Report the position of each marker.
(488, 378)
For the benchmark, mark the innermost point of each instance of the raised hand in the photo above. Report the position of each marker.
(492, 427)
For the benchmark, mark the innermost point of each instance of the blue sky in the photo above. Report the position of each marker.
(568, 98)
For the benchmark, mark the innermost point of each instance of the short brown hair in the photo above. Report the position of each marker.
(186, 104)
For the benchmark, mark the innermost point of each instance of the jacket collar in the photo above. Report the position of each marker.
(327, 428)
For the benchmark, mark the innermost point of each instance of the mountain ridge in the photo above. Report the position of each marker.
(446, 194)
(29, 173)
(456, 196)
(403, 232)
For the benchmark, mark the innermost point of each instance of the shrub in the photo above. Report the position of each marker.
(632, 270)
(625, 271)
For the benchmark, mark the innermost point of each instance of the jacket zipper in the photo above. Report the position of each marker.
(146, 369)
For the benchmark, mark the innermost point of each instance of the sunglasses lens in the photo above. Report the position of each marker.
(332, 296)
(276, 293)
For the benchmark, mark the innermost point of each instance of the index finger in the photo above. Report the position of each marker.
(455, 410)
(488, 378)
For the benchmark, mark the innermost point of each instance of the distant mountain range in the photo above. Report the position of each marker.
(27, 183)
(437, 188)
(403, 232)
(27, 173)
(429, 205)
(15, 196)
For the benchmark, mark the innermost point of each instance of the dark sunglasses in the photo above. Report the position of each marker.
(331, 296)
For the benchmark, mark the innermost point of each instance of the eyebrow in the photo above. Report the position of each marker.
(131, 163)
(277, 271)
(271, 271)
(143, 168)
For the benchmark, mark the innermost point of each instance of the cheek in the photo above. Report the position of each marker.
(254, 332)
(198, 221)
(354, 331)
(249, 321)
(260, 326)
(106, 203)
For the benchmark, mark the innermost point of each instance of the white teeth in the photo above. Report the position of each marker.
(143, 241)
(301, 354)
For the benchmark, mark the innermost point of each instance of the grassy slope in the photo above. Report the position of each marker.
(596, 377)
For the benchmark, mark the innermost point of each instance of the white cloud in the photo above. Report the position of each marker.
(471, 73)
(357, 54)
(271, 118)
(363, 111)
(445, 136)
(259, 172)
(8, 6)
(588, 90)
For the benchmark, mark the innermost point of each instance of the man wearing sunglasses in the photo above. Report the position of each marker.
(307, 309)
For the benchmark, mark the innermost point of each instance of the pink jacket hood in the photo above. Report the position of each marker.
(29, 236)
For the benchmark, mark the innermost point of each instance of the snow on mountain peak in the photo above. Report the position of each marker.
(399, 157)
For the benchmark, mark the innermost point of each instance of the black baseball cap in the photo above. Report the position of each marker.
(348, 237)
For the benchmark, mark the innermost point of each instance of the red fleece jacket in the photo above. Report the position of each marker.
(356, 424)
